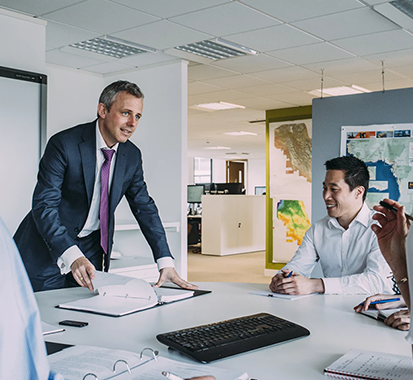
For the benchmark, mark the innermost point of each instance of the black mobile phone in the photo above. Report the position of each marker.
(68, 322)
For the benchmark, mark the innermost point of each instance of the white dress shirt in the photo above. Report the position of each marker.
(22, 348)
(92, 223)
(350, 259)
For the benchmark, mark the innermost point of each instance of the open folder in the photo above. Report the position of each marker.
(117, 295)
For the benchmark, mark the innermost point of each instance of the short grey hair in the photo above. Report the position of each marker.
(110, 92)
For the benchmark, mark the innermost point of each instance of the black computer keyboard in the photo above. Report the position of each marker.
(234, 336)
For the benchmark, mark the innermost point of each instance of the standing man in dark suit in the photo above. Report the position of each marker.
(83, 174)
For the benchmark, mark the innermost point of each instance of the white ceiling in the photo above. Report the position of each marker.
(296, 39)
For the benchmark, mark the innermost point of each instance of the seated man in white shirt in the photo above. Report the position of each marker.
(343, 241)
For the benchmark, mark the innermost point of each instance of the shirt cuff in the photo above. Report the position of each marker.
(165, 262)
(332, 286)
(65, 261)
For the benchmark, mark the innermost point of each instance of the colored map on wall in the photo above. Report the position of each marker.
(290, 185)
(292, 213)
(387, 151)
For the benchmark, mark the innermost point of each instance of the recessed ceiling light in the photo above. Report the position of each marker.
(240, 133)
(113, 47)
(400, 12)
(218, 106)
(217, 49)
(341, 90)
(218, 148)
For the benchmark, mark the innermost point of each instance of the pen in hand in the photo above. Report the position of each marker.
(171, 376)
(289, 274)
(395, 209)
(382, 301)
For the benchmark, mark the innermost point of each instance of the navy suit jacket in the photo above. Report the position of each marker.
(63, 195)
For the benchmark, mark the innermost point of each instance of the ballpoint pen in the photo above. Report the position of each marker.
(171, 376)
(289, 274)
(383, 301)
(395, 209)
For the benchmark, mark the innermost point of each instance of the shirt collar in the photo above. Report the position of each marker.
(362, 217)
(100, 143)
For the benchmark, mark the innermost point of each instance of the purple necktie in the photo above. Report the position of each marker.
(104, 199)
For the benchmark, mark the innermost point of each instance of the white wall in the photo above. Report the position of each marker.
(219, 171)
(72, 97)
(162, 138)
(22, 42)
(256, 174)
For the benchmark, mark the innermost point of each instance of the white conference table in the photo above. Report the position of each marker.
(335, 328)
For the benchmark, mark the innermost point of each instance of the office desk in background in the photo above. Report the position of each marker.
(335, 328)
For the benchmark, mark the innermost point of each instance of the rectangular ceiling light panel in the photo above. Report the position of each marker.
(110, 47)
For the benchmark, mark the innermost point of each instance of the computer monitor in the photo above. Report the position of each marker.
(229, 188)
(260, 190)
(207, 187)
(195, 193)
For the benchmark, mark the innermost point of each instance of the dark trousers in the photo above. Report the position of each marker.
(51, 278)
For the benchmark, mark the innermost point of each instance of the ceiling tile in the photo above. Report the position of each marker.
(145, 59)
(251, 63)
(310, 54)
(264, 104)
(377, 43)
(198, 88)
(268, 90)
(392, 59)
(202, 72)
(107, 68)
(37, 8)
(229, 96)
(299, 98)
(170, 8)
(288, 11)
(273, 38)
(197, 99)
(162, 35)
(285, 74)
(58, 35)
(365, 77)
(390, 85)
(236, 82)
(349, 65)
(347, 24)
(314, 84)
(100, 16)
(227, 19)
(402, 70)
(58, 57)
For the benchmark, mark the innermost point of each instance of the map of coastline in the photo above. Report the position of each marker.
(390, 167)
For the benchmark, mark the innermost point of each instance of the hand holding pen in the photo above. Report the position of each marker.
(380, 301)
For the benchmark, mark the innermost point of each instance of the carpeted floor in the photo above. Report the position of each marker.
(245, 267)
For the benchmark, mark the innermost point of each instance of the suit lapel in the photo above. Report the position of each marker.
(88, 154)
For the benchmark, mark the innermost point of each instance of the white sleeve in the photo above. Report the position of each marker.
(65, 261)
(306, 257)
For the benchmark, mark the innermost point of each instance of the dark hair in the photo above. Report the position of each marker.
(355, 171)
(110, 92)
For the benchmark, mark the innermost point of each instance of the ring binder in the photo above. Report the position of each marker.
(154, 353)
(75, 361)
(123, 361)
(90, 374)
